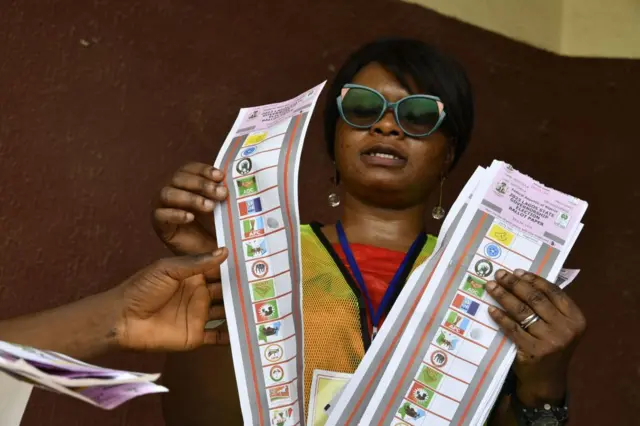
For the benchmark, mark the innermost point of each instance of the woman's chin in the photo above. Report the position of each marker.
(385, 193)
(383, 180)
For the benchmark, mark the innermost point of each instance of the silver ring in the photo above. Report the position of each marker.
(528, 321)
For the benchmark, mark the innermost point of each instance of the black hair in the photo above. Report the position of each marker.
(433, 73)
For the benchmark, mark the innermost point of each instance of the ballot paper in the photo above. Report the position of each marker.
(102, 387)
(261, 279)
(326, 387)
(451, 360)
(352, 402)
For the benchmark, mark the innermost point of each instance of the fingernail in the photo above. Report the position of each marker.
(216, 174)
(218, 252)
(221, 191)
(518, 272)
(500, 274)
(491, 285)
(491, 309)
(189, 217)
(208, 204)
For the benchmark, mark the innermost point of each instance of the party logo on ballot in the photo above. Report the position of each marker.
(255, 248)
(252, 228)
(250, 206)
(263, 290)
(483, 268)
(273, 353)
(439, 359)
(448, 341)
(247, 152)
(492, 251)
(501, 235)
(244, 166)
(269, 332)
(276, 373)
(410, 410)
(280, 394)
(266, 311)
(466, 304)
(260, 269)
(247, 186)
(282, 417)
(420, 395)
(474, 286)
(430, 377)
(255, 139)
(457, 323)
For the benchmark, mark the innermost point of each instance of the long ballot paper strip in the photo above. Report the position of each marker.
(359, 390)
(451, 356)
(98, 386)
(261, 279)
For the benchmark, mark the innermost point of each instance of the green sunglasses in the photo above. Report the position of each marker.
(417, 115)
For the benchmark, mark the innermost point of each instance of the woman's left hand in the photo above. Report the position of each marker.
(546, 346)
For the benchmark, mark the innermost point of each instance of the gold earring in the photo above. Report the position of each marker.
(334, 198)
(438, 211)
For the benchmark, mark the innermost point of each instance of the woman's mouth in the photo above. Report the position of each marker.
(383, 156)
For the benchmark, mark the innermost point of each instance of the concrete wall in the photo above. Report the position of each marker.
(584, 28)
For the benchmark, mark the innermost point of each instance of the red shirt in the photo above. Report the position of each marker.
(377, 266)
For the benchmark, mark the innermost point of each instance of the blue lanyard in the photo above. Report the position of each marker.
(391, 291)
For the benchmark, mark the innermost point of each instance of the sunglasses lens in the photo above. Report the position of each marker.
(361, 107)
(418, 116)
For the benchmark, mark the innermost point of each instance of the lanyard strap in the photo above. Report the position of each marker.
(391, 291)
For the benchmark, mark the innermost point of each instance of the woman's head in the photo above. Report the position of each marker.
(390, 163)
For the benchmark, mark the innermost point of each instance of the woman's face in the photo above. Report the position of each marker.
(370, 175)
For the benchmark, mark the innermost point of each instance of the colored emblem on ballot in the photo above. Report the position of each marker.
(263, 290)
(474, 286)
(457, 323)
(255, 139)
(501, 235)
(281, 417)
(483, 268)
(252, 228)
(247, 186)
(466, 304)
(409, 410)
(279, 393)
(266, 311)
(244, 166)
(430, 377)
(421, 395)
(447, 340)
(268, 332)
(250, 206)
(255, 248)
(260, 268)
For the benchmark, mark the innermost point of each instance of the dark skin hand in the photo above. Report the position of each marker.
(545, 348)
(163, 307)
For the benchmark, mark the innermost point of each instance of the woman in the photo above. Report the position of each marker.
(389, 160)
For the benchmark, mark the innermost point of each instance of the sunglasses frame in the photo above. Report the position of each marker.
(393, 106)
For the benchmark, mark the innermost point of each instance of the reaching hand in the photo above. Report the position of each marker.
(166, 305)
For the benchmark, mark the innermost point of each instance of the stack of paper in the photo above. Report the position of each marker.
(102, 387)
(439, 358)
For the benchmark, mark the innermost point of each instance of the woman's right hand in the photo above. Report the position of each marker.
(191, 195)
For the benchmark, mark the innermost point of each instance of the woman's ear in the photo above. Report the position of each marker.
(451, 155)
